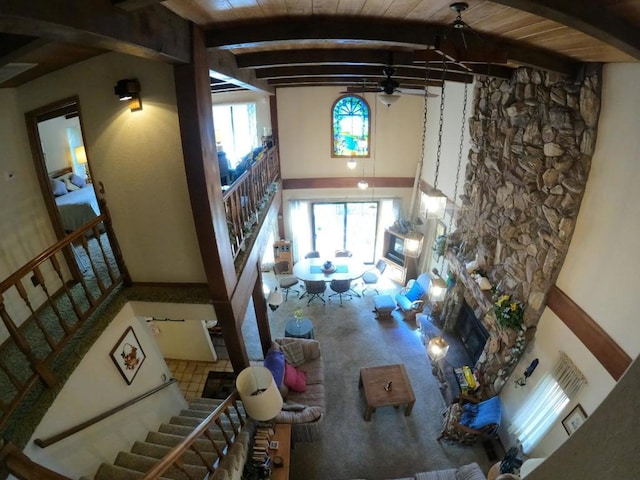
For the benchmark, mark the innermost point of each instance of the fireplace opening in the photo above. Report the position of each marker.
(471, 332)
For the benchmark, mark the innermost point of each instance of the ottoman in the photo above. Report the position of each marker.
(384, 305)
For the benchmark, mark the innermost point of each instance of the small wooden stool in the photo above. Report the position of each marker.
(384, 305)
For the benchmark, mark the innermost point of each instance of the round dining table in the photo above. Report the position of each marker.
(346, 268)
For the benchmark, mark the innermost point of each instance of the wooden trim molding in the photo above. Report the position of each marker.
(346, 182)
(604, 348)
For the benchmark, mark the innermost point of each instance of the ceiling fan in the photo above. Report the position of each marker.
(389, 88)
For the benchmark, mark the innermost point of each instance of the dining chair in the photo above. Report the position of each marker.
(341, 287)
(371, 277)
(313, 254)
(286, 282)
(343, 253)
(315, 289)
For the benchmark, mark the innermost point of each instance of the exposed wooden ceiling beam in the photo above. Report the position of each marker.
(223, 65)
(404, 83)
(321, 56)
(131, 5)
(153, 32)
(588, 17)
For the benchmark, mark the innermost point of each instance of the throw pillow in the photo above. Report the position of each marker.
(274, 361)
(78, 181)
(293, 353)
(415, 292)
(58, 187)
(295, 379)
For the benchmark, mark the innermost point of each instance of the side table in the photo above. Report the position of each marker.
(302, 329)
(283, 436)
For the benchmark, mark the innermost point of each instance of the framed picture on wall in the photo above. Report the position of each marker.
(128, 355)
(576, 417)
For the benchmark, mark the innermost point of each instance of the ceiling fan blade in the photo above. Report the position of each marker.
(415, 91)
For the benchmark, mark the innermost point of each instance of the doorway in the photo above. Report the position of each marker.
(345, 226)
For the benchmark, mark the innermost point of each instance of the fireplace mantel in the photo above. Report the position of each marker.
(482, 297)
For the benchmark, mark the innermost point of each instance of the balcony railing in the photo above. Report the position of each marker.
(245, 200)
(44, 303)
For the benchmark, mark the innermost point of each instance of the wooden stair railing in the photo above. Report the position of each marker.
(246, 197)
(40, 299)
(15, 462)
(44, 443)
(202, 431)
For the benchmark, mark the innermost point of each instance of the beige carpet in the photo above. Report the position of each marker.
(390, 445)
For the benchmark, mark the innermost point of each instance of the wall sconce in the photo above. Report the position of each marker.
(129, 89)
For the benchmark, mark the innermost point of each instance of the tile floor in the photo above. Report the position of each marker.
(192, 375)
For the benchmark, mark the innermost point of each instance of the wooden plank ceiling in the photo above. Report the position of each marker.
(265, 44)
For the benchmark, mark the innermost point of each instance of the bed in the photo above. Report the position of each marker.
(76, 200)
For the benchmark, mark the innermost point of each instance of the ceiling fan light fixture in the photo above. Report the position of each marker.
(388, 99)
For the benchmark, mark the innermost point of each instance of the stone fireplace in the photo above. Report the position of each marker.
(532, 142)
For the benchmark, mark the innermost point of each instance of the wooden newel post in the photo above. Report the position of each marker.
(113, 240)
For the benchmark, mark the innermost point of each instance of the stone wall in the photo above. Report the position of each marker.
(532, 142)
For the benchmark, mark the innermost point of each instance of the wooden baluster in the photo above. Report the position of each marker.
(85, 245)
(224, 433)
(67, 329)
(25, 298)
(233, 424)
(14, 380)
(179, 464)
(58, 270)
(215, 446)
(235, 406)
(40, 368)
(87, 292)
(197, 451)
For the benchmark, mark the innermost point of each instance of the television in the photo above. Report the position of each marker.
(395, 250)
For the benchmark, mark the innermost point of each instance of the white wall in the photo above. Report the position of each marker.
(97, 386)
(304, 119)
(601, 263)
(137, 155)
(181, 340)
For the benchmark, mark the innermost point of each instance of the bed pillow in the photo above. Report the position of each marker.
(78, 181)
(67, 182)
(295, 379)
(58, 187)
(274, 361)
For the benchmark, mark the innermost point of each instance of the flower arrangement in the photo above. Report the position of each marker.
(298, 314)
(440, 245)
(509, 313)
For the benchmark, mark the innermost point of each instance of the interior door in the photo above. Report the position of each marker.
(345, 225)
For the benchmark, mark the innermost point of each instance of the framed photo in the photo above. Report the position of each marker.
(128, 355)
(576, 417)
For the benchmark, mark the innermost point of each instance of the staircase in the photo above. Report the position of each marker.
(145, 454)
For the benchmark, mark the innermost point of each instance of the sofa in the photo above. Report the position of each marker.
(471, 471)
(303, 410)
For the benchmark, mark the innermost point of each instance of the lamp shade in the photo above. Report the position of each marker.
(259, 393)
(437, 348)
(274, 300)
(388, 99)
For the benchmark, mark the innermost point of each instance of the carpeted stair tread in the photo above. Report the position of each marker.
(202, 414)
(116, 472)
(169, 440)
(143, 464)
(159, 451)
(184, 430)
(194, 422)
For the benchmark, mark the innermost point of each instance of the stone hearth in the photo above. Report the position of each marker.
(532, 142)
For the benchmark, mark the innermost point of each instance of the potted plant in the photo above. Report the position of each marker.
(440, 245)
(509, 313)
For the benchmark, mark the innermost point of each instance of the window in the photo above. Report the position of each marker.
(350, 118)
(236, 130)
(546, 403)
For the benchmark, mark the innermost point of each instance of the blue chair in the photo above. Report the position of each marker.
(469, 419)
(410, 299)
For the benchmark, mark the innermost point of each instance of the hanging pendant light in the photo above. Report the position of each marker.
(351, 163)
(436, 200)
(363, 184)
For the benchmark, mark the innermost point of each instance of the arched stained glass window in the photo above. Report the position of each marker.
(350, 127)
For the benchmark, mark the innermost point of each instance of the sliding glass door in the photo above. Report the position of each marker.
(345, 225)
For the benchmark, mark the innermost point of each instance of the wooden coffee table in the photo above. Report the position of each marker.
(374, 379)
